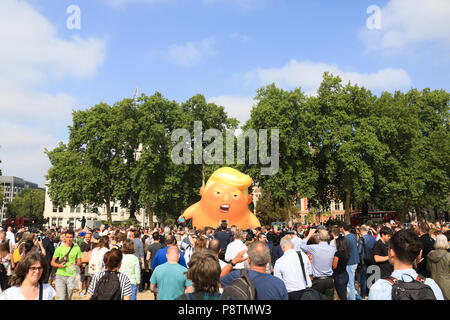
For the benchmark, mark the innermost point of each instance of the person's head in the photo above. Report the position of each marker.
(214, 245)
(68, 237)
(342, 245)
(262, 237)
(10, 229)
(29, 244)
(121, 237)
(173, 254)
(136, 234)
(113, 259)
(87, 237)
(170, 240)
(155, 236)
(286, 244)
(33, 267)
(424, 228)
(238, 234)
(103, 242)
(385, 234)
(335, 232)
(128, 247)
(347, 228)
(224, 224)
(441, 242)
(259, 254)
(434, 233)
(200, 243)
(363, 230)
(404, 247)
(323, 235)
(204, 271)
(2, 235)
(4, 249)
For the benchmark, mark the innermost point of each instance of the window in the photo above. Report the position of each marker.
(60, 209)
(78, 209)
(55, 208)
(71, 222)
(60, 220)
(72, 209)
(337, 206)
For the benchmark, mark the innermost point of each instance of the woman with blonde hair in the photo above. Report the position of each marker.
(438, 263)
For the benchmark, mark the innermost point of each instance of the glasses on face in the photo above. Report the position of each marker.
(36, 269)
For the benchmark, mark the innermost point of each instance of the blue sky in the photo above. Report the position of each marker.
(223, 49)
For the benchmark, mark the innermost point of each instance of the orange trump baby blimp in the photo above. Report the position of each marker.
(224, 197)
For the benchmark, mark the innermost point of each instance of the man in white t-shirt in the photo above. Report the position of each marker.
(235, 247)
(10, 236)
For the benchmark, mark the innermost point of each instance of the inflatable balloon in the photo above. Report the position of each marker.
(224, 197)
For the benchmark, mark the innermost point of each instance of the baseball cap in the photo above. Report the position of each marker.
(82, 234)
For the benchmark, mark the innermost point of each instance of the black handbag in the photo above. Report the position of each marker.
(308, 293)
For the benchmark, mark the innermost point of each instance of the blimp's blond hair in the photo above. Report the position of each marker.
(232, 177)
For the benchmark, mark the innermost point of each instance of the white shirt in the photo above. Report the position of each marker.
(10, 236)
(296, 242)
(288, 269)
(14, 293)
(223, 264)
(232, 251)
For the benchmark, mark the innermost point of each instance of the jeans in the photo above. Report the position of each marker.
(352, 294)
(340, 283)
(363, 280)
(63, 288)
(134, 290)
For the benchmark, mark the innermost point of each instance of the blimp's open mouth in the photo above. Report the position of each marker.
(224, 208)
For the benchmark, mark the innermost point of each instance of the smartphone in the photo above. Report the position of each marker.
(38, 238)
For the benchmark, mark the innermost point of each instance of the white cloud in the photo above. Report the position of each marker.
(118, 3)
(238, 36)
(191, 53)
(22, 151)
(238, 107)
(308, 76)
(31, 57)
(410, 22)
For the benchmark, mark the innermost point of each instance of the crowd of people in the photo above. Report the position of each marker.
(337, 262)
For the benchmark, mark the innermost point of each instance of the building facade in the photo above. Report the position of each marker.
(71, 216)
(12, 187)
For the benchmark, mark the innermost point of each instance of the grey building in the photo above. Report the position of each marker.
(12, 187)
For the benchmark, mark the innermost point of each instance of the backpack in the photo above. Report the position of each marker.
(96, 262)
(414, 290)
(309, 293)
(17, 254)
(108, 287)
(368, 257)
(241, 288)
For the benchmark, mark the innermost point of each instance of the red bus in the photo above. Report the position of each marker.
(356, 218)
(15, 222)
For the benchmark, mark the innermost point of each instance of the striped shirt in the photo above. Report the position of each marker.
(125, 284)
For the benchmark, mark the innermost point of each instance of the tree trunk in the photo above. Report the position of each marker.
(405, 211)
(108, 204)
(132, 207)
(150, 214)
(348, 197)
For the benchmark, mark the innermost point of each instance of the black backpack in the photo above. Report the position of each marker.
(368, 254)
(240, 288)
(108, 287)
(414, 290)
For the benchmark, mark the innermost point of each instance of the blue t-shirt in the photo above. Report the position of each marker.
(353, 249)
(160, 258)
(170, 278)
(267, 286)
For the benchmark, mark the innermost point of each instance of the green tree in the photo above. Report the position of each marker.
(287, 112)
(268, 210)
(29, 203)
